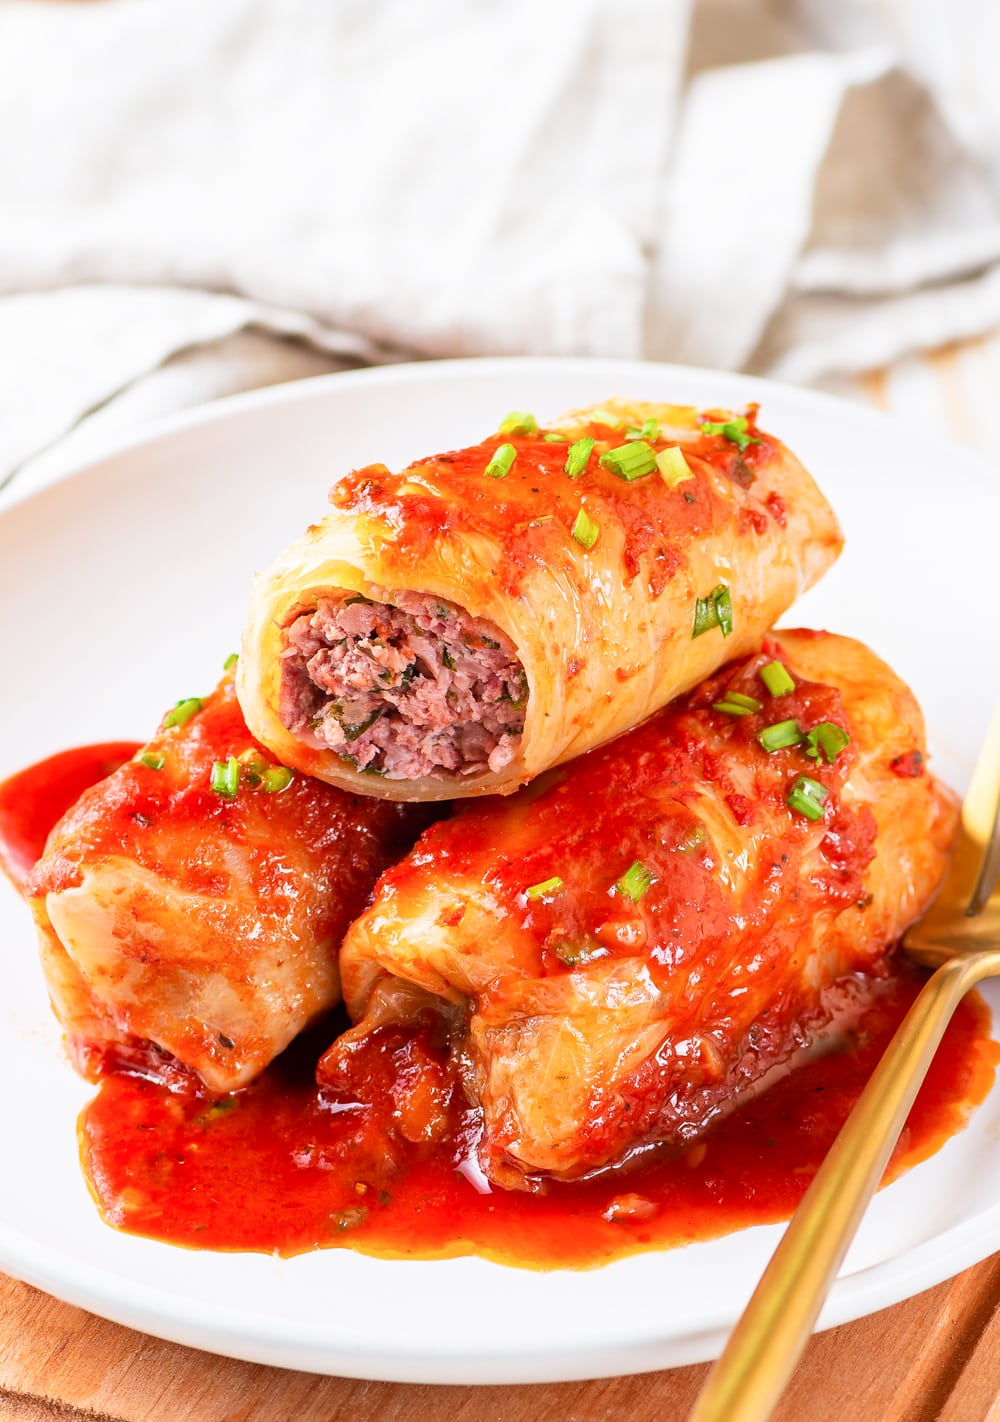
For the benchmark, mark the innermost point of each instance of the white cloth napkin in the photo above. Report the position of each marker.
(197, 198)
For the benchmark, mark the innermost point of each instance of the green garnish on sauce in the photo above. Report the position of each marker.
(673, 466)
(546, 887)
(503, 457)
(586, 530)
(734, 703)
(827, 740)
(630, 461)
(807, 797)
(776, 678)
(276, 779)
(152, 759)
(577, 457)
(553, 437)
(650, 430)
(252, 767)
(779, 736)
(230, 661)
(735, 430)
(226, 777)
(183, 711)
(715, 610)
(518, 422)
(636, 881)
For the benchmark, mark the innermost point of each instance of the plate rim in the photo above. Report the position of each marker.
(15, 492)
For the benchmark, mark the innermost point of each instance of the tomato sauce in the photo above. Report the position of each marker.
(281, 1167)
(528, 513)
(33, 800)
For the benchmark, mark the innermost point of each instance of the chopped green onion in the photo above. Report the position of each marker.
(152, 759)
(716, 610)
(779, 736)
(808, 797)
(546, 887)
(650, 430)
(706, 616)
(253, 765)
(734, 703)
(358, 597)
(183, 711)
(577, 456)
(226, 777)
(586, 530)
(673, 466)
(230, 661)
(503, 457)
(277, 778)
(630, 461)
(734, 430)
(636, 881)
(749, 702)
(605, 417)
(828, 739)
(554, 437)
(518, 422)
(776, 678)
(724, 609)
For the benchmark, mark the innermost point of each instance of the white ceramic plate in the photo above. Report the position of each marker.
(122, 587)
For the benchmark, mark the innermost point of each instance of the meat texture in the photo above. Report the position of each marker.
(405, 689)
(620, 951)
(462, 626)
(204, 923)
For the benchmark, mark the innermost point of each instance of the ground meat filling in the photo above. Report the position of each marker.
(404, 689)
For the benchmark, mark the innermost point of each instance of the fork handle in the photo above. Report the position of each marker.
(765, 1345)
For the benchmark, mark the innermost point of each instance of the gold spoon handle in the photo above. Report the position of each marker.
(765, 1345)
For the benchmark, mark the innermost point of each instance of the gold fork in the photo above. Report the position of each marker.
(960, 938)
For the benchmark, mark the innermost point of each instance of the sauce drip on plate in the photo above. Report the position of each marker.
(33, 800)
(279, 1167)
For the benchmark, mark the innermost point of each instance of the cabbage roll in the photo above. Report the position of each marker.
(462, 626)
(617, 954)
(190, 906)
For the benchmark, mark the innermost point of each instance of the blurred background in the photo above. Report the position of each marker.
(202, 197)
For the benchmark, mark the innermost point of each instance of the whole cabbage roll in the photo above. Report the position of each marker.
(457, 628)
(615, 955)
(192, 904)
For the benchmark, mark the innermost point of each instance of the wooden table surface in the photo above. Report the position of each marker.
(935, 1358)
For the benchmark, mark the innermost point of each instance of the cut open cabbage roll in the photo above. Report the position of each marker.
(617, 953)
(192, 903)
(457, 628)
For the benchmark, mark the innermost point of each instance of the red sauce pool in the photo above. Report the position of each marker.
(276, 1168)
(32, 800)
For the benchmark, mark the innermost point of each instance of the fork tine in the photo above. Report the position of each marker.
(981, 816)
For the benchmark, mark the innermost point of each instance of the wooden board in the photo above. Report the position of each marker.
(935, 1358)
